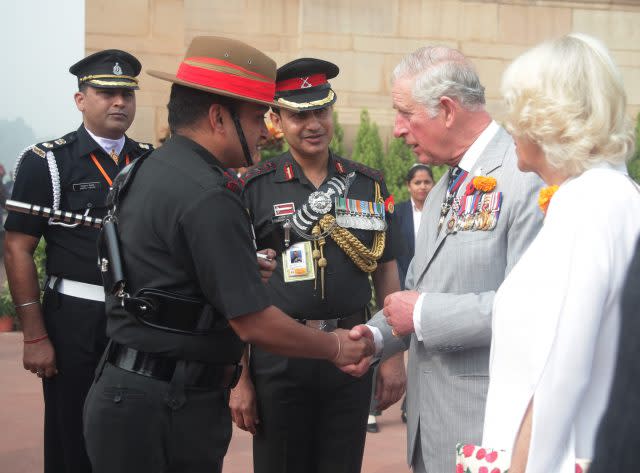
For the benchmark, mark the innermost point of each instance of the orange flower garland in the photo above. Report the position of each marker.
(544, 198)
(484, 183)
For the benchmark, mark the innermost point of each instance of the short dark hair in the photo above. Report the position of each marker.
(187, 105)
(418, 167)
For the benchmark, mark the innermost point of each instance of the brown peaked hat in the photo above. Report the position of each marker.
(226, 67)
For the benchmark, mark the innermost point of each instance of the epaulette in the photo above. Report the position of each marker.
(259, 170)
(232, 182)
(59, 143)
(41, 149)
(346, 165)
(146, 146)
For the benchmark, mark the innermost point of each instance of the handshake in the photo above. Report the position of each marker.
(356, 349)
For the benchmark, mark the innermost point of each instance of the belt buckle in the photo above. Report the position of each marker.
(328, 325)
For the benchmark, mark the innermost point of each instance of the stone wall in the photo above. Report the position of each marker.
(366, 38)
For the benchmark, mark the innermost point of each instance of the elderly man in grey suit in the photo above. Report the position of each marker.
(478, 220)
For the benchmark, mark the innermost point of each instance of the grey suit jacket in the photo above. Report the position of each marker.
(459, 274)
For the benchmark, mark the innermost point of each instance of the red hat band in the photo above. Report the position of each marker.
(224, 75)
(298, 83)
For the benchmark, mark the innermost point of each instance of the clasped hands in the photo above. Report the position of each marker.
(398, 311)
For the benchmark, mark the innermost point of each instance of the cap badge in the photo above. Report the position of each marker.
(117, 70)
(305, 83)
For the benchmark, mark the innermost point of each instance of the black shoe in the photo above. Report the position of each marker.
(403, 416)
(373, 428)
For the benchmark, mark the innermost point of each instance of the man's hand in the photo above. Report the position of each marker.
(354, 351)
(242, 402)
(398, 309)
(40, 359)
(267, 266)
(391, 381)
(358, 333)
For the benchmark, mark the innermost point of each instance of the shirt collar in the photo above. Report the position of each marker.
(413, 206)
(288, 168)
(108, 145)
(471, 156)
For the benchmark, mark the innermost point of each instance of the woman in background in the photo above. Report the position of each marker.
(556, 317)
(408, 214)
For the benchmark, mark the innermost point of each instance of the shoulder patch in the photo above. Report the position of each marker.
(259, 170)
(58, 143)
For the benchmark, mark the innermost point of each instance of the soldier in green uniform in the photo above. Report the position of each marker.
(329, 220)
(191, 292)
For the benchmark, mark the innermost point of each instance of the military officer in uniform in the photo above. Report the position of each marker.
(329, 220)
(191, 292)
(65, 336)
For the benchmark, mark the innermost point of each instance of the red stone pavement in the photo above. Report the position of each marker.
(21, 410)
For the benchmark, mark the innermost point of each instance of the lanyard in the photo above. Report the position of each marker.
(101, 169)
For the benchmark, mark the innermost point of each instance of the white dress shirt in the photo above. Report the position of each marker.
(108, 145)
(556, 320)
(417, 215)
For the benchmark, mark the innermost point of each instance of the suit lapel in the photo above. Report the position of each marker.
(428, 237)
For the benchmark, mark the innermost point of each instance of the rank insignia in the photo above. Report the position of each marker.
(60, 141)
(47, 145)
(339, 167)
(39, 152)
(143, 145)
(287, 208)
(288, 171)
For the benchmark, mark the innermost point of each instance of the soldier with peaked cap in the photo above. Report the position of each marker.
(192, 290)
(329, 220)
(65, 335)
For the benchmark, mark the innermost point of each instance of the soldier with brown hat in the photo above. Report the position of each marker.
(191, 292)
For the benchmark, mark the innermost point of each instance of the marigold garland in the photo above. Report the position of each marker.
(484, 183)
(544, 198)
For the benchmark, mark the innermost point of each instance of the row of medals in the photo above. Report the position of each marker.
(485, 219)
(361, 222)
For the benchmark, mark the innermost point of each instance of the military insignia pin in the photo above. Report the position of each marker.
(117, 70)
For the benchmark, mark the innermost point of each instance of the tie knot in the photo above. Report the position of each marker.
(454, 172)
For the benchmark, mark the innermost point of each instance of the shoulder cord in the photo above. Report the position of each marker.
(55, 188)
(19, 160)
(364, 258)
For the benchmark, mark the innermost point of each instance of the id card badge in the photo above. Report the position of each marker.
(297, 262)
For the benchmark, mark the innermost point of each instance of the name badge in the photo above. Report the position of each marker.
(86, 186)
(297, 262)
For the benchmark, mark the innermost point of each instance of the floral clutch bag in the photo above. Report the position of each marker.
(477, 459)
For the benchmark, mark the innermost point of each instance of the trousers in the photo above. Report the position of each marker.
(134, 424)
(312, 416)
(76, 328)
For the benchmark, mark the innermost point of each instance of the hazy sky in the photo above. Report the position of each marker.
(40, 40)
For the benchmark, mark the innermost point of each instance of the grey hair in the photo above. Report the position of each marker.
(441, 71)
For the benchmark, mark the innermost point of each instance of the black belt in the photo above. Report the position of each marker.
(347, 321)
(152, 365)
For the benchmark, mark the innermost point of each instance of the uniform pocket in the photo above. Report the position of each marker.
(86, 199)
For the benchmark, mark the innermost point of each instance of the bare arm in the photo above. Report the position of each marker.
(23, 283)
(242, 399)
(392, 378)
(274, 331)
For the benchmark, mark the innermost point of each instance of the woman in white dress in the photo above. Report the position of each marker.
(556, 316)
